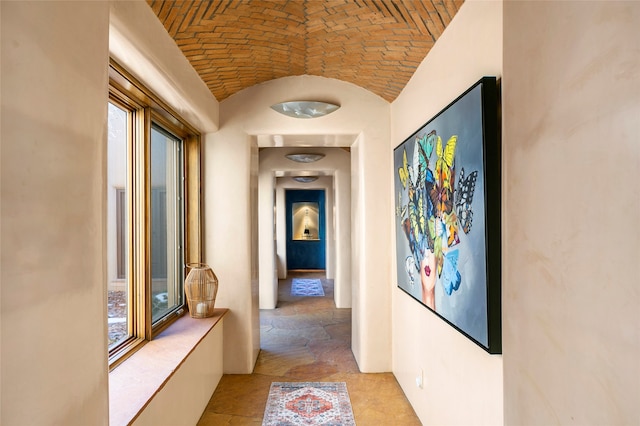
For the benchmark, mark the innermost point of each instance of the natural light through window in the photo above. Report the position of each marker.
(117, 247)
(167, 264)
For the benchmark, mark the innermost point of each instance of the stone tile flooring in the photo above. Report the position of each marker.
(307, 339)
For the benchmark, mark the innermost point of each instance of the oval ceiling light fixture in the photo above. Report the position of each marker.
(305, 109)
(304, 157)
(305, 179)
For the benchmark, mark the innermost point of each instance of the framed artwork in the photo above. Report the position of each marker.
(448, 208)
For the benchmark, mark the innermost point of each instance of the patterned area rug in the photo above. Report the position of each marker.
(306, 287)
(308, 403)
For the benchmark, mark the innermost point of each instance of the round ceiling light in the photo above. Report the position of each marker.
(305, 179)
(305, 109)
(304, 157)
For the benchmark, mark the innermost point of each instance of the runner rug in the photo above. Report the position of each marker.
(306, 287)
(308, 403)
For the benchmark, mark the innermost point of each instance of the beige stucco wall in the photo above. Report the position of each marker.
(462, 382)
(571, 112)
(184, 397)
(230, 224)
(54, 334)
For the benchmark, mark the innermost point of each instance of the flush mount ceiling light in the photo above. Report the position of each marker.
(305, 109)
(305, 179)
(304, 157)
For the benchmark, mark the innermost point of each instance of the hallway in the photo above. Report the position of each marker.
(307, 339)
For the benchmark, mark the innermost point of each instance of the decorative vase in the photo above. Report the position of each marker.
(201, 287)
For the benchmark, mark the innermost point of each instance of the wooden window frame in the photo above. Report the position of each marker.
(146, 108)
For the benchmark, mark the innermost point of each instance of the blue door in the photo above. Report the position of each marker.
(305, 228)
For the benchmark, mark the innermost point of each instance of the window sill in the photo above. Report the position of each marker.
(135, 382)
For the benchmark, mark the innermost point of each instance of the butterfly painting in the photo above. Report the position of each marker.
(428, 217)
(442, 214)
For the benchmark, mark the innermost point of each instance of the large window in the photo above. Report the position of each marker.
(153, 211)
(167, 260)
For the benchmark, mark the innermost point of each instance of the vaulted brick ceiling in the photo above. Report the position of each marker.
(235, 44)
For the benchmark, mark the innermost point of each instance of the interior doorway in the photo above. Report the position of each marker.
(306, 229)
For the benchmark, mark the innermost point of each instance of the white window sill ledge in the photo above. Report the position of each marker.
(134, 383)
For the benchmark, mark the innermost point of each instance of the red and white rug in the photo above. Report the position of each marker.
(308, 403)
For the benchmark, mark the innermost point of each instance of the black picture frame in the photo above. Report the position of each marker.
(447, 182)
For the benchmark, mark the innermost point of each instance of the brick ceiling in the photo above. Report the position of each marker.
(235, 44)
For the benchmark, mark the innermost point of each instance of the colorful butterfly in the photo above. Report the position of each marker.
(464, 198)
(423, 148)
(445, 161)
(442, 198)
(416, 242)
(428, 141)
(403, 172)
(451, 228)
(450, 277)
(401, 209)
(410, 267)
(442, 192)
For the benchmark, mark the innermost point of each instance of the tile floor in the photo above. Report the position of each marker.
(307, 339)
